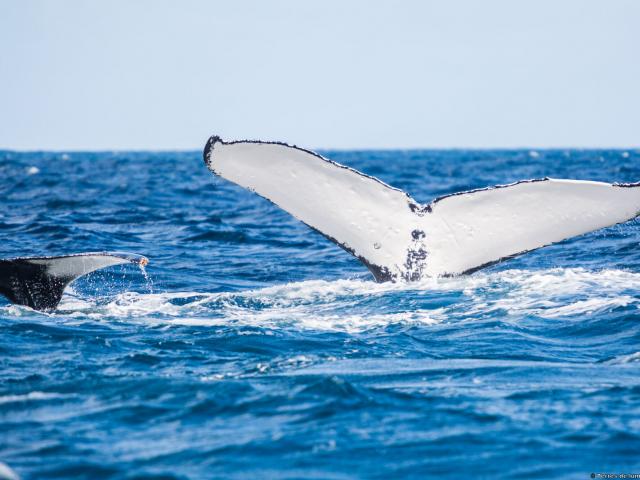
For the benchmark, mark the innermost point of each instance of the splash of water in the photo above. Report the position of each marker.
(355, 306)
(147, 277)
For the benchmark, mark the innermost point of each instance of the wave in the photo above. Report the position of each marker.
(356, 305)
(32, 397)
(624, 359)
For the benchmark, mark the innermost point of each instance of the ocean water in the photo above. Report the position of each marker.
(257, 349)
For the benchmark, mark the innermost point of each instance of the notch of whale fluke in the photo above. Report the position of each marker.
(396, 237)
(38, 282)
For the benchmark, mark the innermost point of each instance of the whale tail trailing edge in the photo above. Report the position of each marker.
(399, 239)
(38, 282)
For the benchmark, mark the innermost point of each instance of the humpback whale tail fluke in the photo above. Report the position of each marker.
(399, 239)
(38, 282)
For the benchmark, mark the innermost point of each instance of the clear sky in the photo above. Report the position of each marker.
(152, 74)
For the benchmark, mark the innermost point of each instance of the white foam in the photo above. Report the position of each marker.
(588, 307)
(355, 305)
(623, 359)
(30, 397)
(554, 293)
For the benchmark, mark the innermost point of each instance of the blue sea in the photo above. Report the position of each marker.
(255, 348)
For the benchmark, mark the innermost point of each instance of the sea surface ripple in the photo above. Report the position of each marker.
(258, 349)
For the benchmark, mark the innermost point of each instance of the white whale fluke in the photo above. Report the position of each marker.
(399, 239)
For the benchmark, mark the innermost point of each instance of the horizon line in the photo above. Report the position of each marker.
(320, 149)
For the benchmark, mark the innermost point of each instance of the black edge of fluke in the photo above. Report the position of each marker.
(484, 189)
(206, 153)
(627, 185)
(39, 282)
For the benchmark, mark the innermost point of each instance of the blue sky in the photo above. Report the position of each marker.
(149, 74)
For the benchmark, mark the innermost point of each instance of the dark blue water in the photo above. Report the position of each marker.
(260, 350)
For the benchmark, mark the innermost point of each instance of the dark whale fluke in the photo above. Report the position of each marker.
(396, 237)
(38, 282)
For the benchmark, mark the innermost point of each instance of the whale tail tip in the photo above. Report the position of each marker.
(206, 154)
(38, 282)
